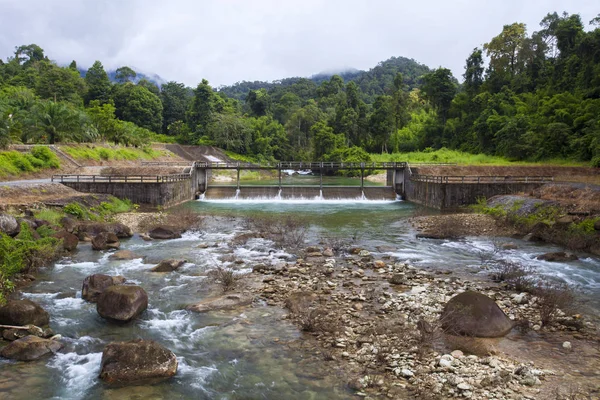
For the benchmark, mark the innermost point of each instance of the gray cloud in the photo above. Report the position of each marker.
(226, 41)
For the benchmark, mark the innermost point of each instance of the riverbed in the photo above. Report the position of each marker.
(245, 354)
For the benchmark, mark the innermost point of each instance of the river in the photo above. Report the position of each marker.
(252, 354)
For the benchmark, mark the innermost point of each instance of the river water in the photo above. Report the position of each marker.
(252, 354)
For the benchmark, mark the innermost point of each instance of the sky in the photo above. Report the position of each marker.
(226, 41)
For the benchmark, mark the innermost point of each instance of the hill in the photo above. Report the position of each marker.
(376, 81)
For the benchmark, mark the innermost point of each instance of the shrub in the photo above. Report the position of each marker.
(516, 276)
(76, 210)
(551, 297)
(287, 232)
(47, 156)
(225, 277)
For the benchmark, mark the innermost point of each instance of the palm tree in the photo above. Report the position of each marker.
(58, 121)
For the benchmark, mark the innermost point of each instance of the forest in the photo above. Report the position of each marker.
(524, 96)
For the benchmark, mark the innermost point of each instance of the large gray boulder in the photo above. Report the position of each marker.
(164, 232)
(30, 348)
(137, 361)
(23, 312)
(95, 228)
(105, 241)
(168, 265)
(474, 314)
(9, 225)
(94, 285)
(122, 303)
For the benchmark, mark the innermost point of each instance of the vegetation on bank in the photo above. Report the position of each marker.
(548, 222)
(536, 99)
(102, 153)
(32, 249)
(14, 163)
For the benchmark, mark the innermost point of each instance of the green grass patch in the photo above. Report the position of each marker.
(51, 215)
(101, 153)
(458, 157)
(115, 206)
(242, 158)
(14, 163)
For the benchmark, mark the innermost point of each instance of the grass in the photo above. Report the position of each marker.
(51, 215)
(14, 163)
(458, 157)
(101, 153)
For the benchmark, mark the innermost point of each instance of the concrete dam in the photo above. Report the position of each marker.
(402, 182)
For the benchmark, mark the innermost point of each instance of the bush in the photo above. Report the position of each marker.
(225, 277)
(516, 276)
(76, 210)
(47, 156)
(552, 297)
(286, 232)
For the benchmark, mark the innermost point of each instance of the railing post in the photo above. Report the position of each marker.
(362, 177)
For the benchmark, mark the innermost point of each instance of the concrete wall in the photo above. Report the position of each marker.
(165, 194)
(450, 196)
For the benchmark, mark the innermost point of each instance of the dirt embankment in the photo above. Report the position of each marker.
(586, 175)
(45, 194)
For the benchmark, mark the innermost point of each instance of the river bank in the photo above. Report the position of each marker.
(339, 319)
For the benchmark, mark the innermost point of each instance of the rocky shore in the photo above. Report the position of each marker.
(379, 321)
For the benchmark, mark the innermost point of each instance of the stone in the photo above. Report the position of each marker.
(23, 312)
(105, 241)
(124, 255)
(597, 225)
(464, 386)
(457, 354)
(164, 232)
(94, 285)
(474, 314)
(398, 279)
(312, 249)
(9, 225)
(407, 373)
(445, 363)
(69, 224)
(122, 303)
(364, 253)
(69, 241)
(137, 361)
(30, 348)
(509, 246)
(226, 302)
(328, 252)
(168, 265)
(92, 229)
(559, 256)
(567, 345)
(146, 237)
(379, 264)
(563, 222)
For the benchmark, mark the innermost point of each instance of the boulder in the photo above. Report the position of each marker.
(30, 348)
(164, 232)
(559, 256)
(137, 361)
(9, 225)
(69, 224)
(14, 334)
(122, 303)
(168, 265)
(70, 241)
(226, 302)
(105, 241)
(509, 246)
(94, 285)
(564, 222)
(124, 255)
(23, 312)
(96, 228)
(474, 314)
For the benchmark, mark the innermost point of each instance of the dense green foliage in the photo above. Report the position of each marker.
(15, 163)
(537, 99)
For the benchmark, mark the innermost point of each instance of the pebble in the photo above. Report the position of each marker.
(567, 346)
(407, 373)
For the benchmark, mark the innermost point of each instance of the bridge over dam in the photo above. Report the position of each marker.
(402, 181)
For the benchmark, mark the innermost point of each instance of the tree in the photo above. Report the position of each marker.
(259, 102)
(325, 141)
(382, 122)
(53, 122)
(138, 105)
(474, 72)
(439, 89)
(125, 74)
(175, 98)
(98, 84)
(59, 84)
(29, 54)
(73, 66)
(503, 49)
(202, 109)
(102, 118)
(230, 132)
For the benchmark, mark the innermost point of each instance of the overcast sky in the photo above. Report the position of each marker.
(226, 41)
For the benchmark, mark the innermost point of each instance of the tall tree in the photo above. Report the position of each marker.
(474, 72)
(175, 99)
(125, 74)
(98, 84)
(439, 89)
(138, 105)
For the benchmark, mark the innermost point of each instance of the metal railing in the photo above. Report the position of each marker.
(481, 179)
(299, 165)
(120, 179)
(167, 163)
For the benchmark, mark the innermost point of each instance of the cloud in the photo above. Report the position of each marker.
(226, 41)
